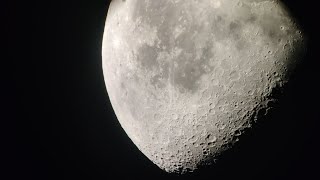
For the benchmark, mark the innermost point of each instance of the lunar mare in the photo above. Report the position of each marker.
(186, 78)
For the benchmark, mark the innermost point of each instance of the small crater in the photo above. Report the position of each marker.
(211, 138)
(205, 152)
(275, 74)
(222, 127)
(262, 112)
(237, 133)
(234, 75)
(174, 116)
(193, 139)
(206, 94)
(250, 92)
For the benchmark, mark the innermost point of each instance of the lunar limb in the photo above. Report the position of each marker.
(187, 78)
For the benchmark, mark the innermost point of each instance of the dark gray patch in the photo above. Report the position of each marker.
(233, 27)
(189, 71)
(155, 12)
(206, 55)
(218, 18)
(187, 75)
(240, 45)
(147, 56)
(252, 19)
(185, 42)
(271, 34)
(270, 27)
(158, 81)
(218, 32)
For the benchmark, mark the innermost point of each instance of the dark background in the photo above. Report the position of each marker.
(61, 125)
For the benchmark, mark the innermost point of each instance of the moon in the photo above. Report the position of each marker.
(187, 78)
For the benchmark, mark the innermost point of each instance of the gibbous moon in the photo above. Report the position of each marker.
(187, 77)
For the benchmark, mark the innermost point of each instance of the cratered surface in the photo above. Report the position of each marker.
(187, 77)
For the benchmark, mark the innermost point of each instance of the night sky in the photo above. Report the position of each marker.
(61, 124)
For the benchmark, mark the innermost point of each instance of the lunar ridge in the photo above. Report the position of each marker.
(187, 78)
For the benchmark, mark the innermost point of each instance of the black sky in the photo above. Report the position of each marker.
(65, 127)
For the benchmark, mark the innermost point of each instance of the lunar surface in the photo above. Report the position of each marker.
(186, 78)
